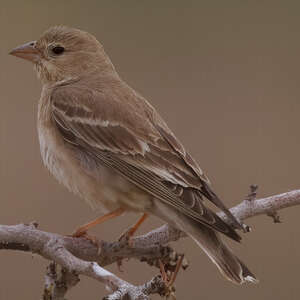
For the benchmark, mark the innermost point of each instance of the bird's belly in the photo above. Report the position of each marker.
(100, 187)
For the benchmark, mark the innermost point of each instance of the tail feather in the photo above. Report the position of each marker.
(220, 254)
(209, 241)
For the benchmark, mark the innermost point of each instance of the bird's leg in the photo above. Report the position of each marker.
(82, 230)
(132, 229)
(127, 236)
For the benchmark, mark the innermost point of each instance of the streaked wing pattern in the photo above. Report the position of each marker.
(140, 147)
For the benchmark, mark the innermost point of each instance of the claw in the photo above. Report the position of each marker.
(79, 233)
(83, 234)
(127, 237)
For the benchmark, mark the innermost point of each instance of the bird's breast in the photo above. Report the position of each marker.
(60, 159)
(99, 186)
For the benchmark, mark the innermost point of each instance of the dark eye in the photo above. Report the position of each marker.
(58, 50)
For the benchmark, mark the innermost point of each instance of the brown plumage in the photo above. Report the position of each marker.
(107, 144)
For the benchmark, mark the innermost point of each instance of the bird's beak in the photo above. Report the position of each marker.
(27, 51)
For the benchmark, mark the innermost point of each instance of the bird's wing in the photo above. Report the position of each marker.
(126, 134)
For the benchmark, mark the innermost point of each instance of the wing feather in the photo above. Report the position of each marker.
(139, 146)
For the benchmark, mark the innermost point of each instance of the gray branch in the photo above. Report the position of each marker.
(78, 256)
(58, 281)
(265, 206)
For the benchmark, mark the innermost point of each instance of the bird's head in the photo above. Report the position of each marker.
(63, 53)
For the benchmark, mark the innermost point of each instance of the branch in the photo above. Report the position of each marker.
(57, 248)
(78, 256)
(267, 206)
(58, 282)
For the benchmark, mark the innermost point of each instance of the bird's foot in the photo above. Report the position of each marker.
(129, 233)
(79, 233)
(127, 237)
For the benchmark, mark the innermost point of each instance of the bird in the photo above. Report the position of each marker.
(107, 144)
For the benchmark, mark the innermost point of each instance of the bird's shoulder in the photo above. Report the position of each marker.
(117, 108)
(120, 113)
(106, 105)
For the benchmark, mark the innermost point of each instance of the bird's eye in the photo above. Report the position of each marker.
(58, 50)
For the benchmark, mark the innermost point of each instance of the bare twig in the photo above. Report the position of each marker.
(78, 256)
(275, 216)
(253, 192)
(58, 282)
(248, 209)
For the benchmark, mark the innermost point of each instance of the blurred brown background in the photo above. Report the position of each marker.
(225, 76)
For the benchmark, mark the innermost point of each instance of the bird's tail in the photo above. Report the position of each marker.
(210, 242)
